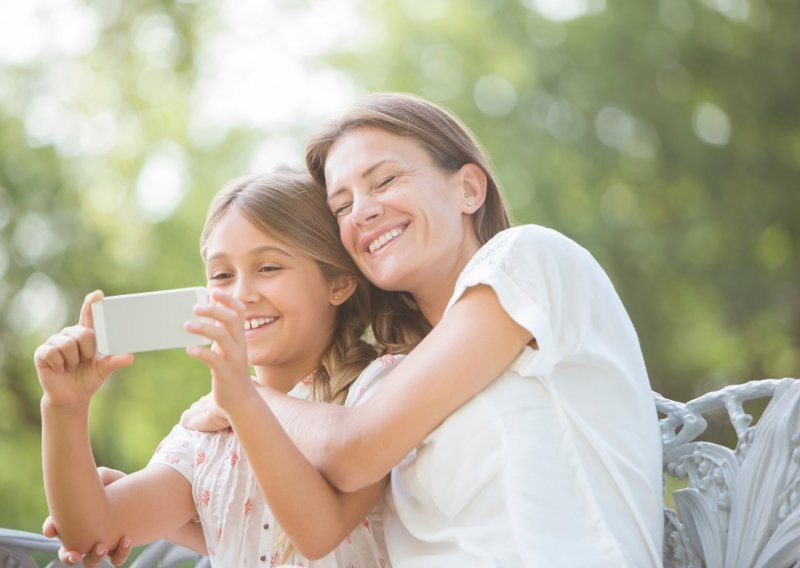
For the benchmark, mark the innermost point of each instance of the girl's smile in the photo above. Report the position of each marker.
(287, 299)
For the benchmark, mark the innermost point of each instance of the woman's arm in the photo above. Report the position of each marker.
(472, 345)
(315, 516)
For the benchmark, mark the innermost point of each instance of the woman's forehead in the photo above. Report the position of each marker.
(358, 152)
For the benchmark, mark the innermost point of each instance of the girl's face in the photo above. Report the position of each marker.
(289, 310)
(401, 217)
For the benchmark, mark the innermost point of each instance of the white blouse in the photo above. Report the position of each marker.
(558, 461)
(238, 526)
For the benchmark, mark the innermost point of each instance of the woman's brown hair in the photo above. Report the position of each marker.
(397, 323)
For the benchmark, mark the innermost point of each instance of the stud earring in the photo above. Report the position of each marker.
(469, 203)
(336, 298)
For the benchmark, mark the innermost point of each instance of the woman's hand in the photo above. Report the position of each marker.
(99, 551)
(69, 367)
(227, 358)
(204, 415)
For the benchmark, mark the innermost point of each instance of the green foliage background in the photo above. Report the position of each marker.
(663, 136)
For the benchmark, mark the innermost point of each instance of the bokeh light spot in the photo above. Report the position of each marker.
(495, 96)
(711, 124)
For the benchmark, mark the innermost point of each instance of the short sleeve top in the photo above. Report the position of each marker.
(557, 462)
(238, 526)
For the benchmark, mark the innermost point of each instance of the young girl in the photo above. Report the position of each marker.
(521, 431)
(295, 310)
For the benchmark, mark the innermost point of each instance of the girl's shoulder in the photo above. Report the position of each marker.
(370, 378)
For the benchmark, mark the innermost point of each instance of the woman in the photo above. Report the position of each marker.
(521, 430)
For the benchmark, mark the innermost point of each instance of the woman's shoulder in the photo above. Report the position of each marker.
(530, 242)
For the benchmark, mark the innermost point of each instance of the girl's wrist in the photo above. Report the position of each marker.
(243, 409)
(51, 406)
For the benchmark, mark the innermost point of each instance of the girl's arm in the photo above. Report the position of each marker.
(142, 506)
(315, 516)
(472, 345)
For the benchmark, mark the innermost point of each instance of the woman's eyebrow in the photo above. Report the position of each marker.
(364, 174)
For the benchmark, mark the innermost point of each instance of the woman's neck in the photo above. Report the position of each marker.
(433, 296)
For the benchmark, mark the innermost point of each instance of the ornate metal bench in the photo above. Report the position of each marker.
(16, 548)
(739, 510)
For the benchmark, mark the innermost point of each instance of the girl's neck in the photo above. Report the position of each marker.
(283, 378)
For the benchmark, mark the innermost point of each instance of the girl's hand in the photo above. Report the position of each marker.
(99, 551)
(227, 357)
(205, 416)
(69, 367)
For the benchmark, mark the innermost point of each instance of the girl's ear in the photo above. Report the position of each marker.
(473, 188)
(342, 287)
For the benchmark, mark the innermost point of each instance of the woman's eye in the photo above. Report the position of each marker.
(387, 180)
(220, 276)
(269, 268)
(343, 209)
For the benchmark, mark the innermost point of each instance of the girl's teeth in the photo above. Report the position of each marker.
(252, 324)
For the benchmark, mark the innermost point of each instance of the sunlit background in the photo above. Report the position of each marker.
(664, 136)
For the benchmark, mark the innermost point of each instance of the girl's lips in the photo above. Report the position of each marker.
(251, 324)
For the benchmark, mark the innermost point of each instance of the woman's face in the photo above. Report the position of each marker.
(400, 216)
(288, 300)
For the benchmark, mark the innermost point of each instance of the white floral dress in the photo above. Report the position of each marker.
(238, 525)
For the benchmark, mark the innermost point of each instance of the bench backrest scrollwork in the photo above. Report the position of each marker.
(741, 508)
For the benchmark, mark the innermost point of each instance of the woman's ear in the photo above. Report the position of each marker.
(473, 187)
(342, 287)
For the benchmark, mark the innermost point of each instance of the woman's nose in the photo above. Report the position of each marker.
(366, 208)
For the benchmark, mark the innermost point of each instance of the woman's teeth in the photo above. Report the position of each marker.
(254, 323)
(384, 238)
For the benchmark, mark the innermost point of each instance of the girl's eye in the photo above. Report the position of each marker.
(220, 276)
(270, 268)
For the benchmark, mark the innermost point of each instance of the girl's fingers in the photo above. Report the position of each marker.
(213, 332)
(68, 348)
(120, 555)
(69, 557)
(86, 309)
(228, 300)
(226, 316)
(111, 363)
(47, 356)
(85, 338)
(96, 556)
(49, 527)
(206, 356)
(108, 475)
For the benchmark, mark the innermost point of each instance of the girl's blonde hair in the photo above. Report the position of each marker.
(399, 326)
(289, 206)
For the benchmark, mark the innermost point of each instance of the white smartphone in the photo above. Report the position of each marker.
(150, 321)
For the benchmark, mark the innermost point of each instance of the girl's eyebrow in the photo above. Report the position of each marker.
(364, 174)
(256, 251)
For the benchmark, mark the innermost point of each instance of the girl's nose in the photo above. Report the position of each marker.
(245, 290)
